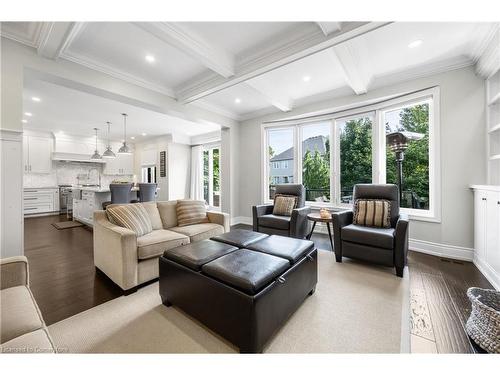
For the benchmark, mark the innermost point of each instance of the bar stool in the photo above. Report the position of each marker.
(147, 192)
(120, 193)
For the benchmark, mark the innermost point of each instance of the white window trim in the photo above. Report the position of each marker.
(210, 148)
(378, 155)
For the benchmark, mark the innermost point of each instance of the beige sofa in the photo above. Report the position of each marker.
(129, 260)
(22, 328)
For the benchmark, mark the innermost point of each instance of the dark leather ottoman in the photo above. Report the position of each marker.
(245, 295)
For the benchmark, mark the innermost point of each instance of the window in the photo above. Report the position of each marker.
(415, 166)
(316, 161)
(280, 145)
(148, 174)
(211, 176)
(353, 155)
(350, 147)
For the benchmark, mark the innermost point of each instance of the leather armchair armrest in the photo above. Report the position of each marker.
(258, 211)
(340, 219)
(401, 244)
(299, 224)
(220, 218)
(14, 272)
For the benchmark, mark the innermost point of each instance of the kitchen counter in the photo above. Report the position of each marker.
(96, 189)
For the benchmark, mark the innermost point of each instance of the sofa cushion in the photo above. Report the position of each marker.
(154, 215)
(199, 232)
(19, 313)
(284, 204)
(32, 342)
(168, 213)
(378, 237)
(247, 270)
(132, 216)
(372, 213)
(191, 212)
(275, 221)
(155, 243)
(240, 237)
(195, 255)
(291, 249)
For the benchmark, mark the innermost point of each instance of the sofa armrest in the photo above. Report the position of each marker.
(340, 219)
(401, 243)
(115, 251)
(14, 271)
(258, 211)
(299, 224)
(220, 218)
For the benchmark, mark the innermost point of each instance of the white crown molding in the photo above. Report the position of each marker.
(11, 135)
(56, 37)
(190, 43)
(307, 43)
(74, 31)
(351, 64)
(216, 109)
(32, 41)
(44, 35)
(329, 27)
(258, 113)
(284, 104)
(487, 55)
(116, 73)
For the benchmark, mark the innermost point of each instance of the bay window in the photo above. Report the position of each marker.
(332, 154)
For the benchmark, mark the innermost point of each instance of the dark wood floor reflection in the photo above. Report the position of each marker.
(64, 281)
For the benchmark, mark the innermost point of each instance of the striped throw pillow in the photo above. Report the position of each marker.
(191, 212)
(132, 216)
(284, 205)
(372, 213)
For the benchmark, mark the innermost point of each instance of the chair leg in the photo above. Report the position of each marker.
(399, 271)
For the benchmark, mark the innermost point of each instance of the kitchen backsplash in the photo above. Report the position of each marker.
(67, 173)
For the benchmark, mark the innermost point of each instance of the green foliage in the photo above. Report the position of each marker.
(416, 161)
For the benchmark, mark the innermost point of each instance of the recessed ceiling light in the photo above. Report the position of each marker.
(150, 58)
(306, 78)
(237, 100)
(132, 137)
(143, 134)
(24, 121)
(35, 99)
(415, 43)
(29, 114)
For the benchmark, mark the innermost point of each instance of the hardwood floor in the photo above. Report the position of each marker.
(64, 283)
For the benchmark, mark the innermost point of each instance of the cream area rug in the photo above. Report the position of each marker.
(357, 308)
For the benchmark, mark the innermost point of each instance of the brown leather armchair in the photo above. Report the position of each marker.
(385, 246)
(296, 225)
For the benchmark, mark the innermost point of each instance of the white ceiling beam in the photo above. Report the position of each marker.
(282, 103)
(296, 48)
(55, 37)
(355, 72)
(193, 45)
(329, 27)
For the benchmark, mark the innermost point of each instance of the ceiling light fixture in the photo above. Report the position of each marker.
(29, 114)
(150, 58)
(24, 121)
(124, 149)
(108, 154)
(415, 43)
(132, 137)
(36, 99)
(237, 100)
(306, 78)
(96, 155)
(143, 134)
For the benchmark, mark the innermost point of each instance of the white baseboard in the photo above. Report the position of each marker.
(488, 272)
(241, 220)
(442, 250)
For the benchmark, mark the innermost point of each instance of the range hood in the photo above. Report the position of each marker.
(73, 157)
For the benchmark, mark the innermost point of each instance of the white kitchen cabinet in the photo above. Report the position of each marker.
(121, 165)
(487, 231)
(40, 201)
(37, 154)
(86, 201)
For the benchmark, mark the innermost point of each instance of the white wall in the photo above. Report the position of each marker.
(462, 155)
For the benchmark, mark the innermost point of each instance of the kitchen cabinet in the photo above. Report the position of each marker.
(487, 231)
(86, 201)
(121, 165)
(37, 154)
(40, 201)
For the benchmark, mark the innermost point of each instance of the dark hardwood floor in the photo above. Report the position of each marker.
(64, 281)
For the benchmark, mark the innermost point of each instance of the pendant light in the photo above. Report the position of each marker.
(96, 155)
(124, 149)
(108, 154)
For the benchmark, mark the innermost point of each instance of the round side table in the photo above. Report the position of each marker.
(315, 218)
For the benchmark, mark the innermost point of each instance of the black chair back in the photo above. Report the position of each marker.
(147, 192)
(293, 189)
(388, 192)
(121, 193)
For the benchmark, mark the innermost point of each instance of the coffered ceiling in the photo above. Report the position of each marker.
(242, 69)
